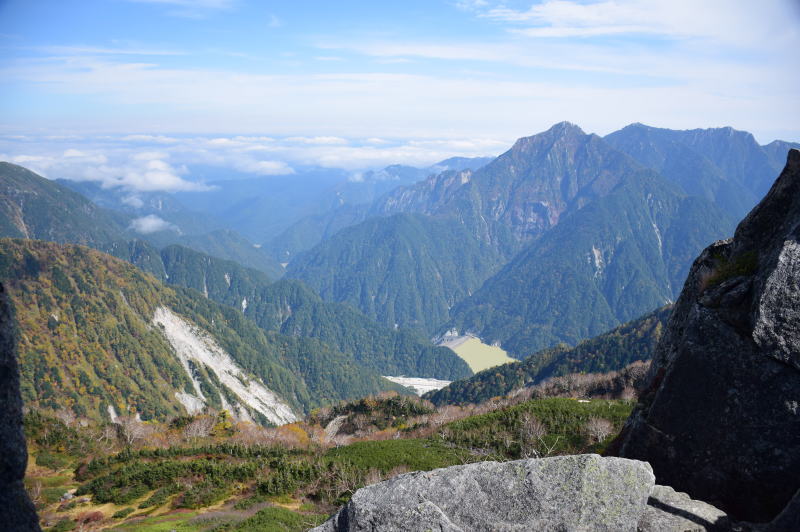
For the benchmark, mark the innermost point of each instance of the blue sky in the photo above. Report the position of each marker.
(360, 84)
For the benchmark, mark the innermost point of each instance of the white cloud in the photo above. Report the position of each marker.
(757, 95)
(150, 155)
(471, 5)
(136, 167)
(722, 21)
(134, 201)
(124, 168)
(318, 140)
(265, 167)
(159, 139)
(154, 174)
(151, 224)
(190, 8)
(27, 159)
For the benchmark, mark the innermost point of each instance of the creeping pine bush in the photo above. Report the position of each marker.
(203, 494)
(125, 512)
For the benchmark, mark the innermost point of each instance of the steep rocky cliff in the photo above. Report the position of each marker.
(16, 510)
(721, 420)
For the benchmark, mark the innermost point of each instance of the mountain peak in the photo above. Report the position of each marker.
(564, 128)
(561, 131)
(636, 126)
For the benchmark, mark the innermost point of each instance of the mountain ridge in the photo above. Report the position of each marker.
(88, 341)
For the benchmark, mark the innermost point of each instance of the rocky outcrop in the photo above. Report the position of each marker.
(671, 511)
(16, 510)
(581, 493)
(564, 493)
(721, 419)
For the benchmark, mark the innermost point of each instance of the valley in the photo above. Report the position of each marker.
(474, 352)
(516, 258)
(455, 266)
(503, 310)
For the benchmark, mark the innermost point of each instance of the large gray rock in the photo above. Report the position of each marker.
(671, 511)
(721, 418)
(575, 493)
(16, 510)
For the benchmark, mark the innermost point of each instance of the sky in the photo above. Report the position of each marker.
(138, 92)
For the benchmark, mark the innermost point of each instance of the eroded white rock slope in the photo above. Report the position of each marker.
(420, 385)
(192, 343)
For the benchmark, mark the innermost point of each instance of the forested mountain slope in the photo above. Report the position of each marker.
(34, 207)
(286, 308)
(38, 208)
(723, 165)
(96, 332)
(352, 203)
(523, 192)
(406, 270)
(410, 269)
(289, 307)
(603, 265)
(610, 351)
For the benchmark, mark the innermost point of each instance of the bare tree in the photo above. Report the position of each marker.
(66, 416)
(598, 428)
(373, 476)
(345, 480)
(507, 438)
(531, 434)
(35, 491)
(360, 422)
(131, 429)
(201, 427)
(531, 428)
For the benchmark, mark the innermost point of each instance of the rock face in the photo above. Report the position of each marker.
(16, 510)
(582, 492)
(721, 419)
(669, 510)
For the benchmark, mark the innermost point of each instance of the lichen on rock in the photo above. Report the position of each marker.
(579, 492)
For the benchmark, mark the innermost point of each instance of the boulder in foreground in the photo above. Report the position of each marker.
(580, 492)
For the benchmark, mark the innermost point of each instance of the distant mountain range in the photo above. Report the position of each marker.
(352, 203)
(723, 165)
(564, 236)
(34, 207)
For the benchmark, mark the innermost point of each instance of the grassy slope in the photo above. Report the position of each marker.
(220, 479)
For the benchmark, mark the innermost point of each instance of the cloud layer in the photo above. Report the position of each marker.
(147, 163)
(151, 224)
(519, 68)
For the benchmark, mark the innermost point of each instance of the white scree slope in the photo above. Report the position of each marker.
(191, 343)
